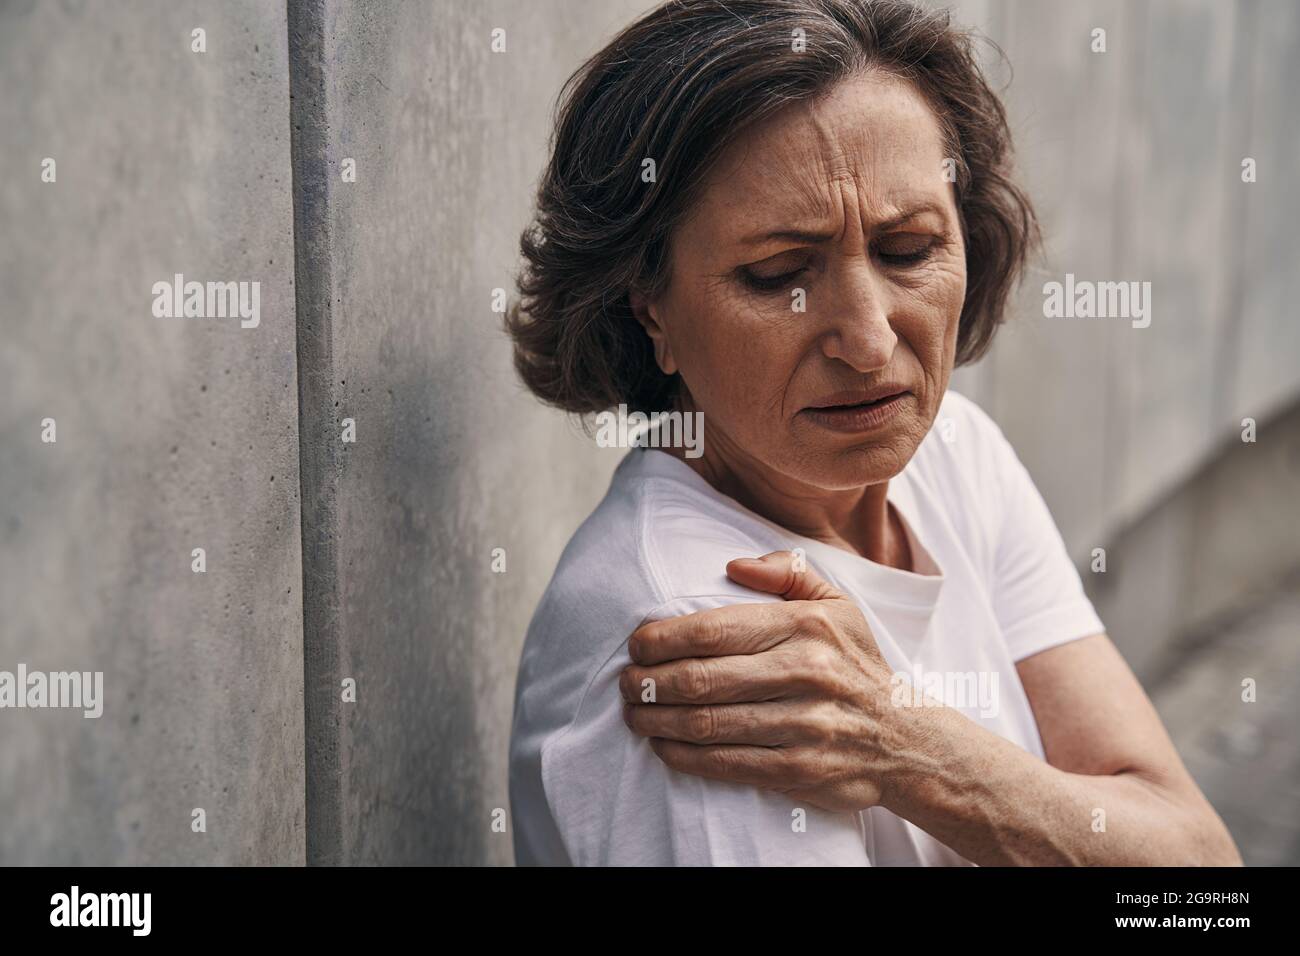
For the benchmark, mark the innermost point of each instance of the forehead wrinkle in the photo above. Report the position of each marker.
(799, 170)
(810, 190)
(816, 163)
(833, 157)
(888, 143)
(773, 175)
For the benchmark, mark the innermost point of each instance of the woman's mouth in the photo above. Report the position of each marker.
(861, 415)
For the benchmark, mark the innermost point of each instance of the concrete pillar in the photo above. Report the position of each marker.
(171, 434)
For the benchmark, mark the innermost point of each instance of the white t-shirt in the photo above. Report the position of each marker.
(995, 585)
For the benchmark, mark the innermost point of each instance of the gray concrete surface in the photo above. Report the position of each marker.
(451, 458)
(1245, 754)
(1133, 156)
(1210, 551)
(172, 434)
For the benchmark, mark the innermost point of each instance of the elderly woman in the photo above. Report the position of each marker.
(848, 632)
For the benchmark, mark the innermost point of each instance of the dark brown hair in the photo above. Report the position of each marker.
(678, 86)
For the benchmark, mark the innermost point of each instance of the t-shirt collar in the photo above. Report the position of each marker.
(886, 584)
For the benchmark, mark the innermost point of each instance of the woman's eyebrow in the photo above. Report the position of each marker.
(812, 236)
(793, 235)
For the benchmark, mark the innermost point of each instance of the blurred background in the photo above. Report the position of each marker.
(373, 560)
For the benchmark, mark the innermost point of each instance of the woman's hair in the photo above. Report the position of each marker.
(677, 87)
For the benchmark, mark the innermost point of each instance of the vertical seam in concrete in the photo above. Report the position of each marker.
(1240, 128)
(318, 448)
(1119, 360)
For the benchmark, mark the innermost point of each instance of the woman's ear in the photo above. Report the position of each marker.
(647, 314)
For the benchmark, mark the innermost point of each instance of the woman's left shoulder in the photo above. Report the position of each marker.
(959, 413)
(964, 443)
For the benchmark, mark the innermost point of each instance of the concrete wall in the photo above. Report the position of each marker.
(1134, 156)
(1208, 554)
(224, 689)
(175, 433)
(451, 458)
(171, 434)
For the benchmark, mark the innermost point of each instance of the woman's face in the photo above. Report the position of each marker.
(823, 267)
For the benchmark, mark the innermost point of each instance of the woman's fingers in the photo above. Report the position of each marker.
(785, 573)
(794, 771)
(773, 724)
(767, 768)
(708, 680)
(810, 605)
(717, 632)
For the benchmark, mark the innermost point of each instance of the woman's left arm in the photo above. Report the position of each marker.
(796, 697)
(1113, 791)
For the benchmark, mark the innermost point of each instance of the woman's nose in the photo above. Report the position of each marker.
(857, 329)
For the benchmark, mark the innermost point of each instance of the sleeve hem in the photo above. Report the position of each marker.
(1053, 628)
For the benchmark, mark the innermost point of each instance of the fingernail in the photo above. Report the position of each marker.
(627, 715)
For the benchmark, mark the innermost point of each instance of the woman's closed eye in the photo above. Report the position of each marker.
(775, 274)
(905, 249)
(897, 251)
(771, 283)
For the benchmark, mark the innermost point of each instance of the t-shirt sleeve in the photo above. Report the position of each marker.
(615, 803)
(1037, 594)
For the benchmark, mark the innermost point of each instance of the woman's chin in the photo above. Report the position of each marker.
(841, 461)
(844, 469)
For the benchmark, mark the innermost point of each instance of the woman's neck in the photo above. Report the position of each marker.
(859, 520)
